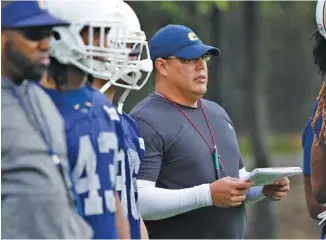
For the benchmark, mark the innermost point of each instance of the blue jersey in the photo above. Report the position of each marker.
(93, 145)
(128, 172)
(307, 139)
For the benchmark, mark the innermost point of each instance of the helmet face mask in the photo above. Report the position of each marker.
(136, 72)
(89, 42)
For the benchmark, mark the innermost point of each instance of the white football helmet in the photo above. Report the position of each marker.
(137, 72)
(101, 59)
(321, 17)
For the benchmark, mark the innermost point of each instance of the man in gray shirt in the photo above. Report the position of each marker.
(189, 184)
(36, 194)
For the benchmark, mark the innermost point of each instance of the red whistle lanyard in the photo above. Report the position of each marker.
(216, 156)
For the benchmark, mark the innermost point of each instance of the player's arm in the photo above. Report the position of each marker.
(318, 169)
(122, 222)
(158, 203)
(313, 207)
(143, 229)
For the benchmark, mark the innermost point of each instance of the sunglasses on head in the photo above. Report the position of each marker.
(35, 33)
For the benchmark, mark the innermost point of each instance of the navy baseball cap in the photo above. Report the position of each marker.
(179, 41)
(20, 14)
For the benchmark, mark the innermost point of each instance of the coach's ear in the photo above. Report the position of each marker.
(160, 66)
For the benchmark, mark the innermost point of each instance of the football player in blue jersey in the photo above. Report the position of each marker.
(94, 132)
(133, 77)
(318, 150)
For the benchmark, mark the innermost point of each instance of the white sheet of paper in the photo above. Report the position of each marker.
(266, 176)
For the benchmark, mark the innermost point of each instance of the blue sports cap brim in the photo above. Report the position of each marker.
(44, 19)
(196, 50)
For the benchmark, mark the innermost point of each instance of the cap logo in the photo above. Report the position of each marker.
(41, 4)
(192, 36)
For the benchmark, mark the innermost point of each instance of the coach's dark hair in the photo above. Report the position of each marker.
(319, 55)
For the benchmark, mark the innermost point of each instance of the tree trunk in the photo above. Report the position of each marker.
(215, 87)
(262, 220)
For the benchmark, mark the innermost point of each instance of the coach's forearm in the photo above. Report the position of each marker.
(159, 203)
(318, 168)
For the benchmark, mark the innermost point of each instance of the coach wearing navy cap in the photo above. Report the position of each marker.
(25, 29)
(179, 41)
(36, 199)
(189, 183)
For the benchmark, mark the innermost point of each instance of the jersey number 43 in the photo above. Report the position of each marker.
(87, 162)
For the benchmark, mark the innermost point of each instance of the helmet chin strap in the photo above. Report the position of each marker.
(133, 79)
(145, 65)
(122, 99)
(108, 84)
(136, 75)
(105, 87)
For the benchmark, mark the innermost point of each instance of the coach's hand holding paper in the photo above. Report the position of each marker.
(267, 176)
(277, 190)
(229, 192)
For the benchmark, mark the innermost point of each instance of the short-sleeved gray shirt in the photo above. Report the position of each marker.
(34, 198)
(177, 157)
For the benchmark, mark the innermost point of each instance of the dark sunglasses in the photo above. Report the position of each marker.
(35, 33)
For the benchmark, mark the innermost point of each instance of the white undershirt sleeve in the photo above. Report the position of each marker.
(159, 203)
